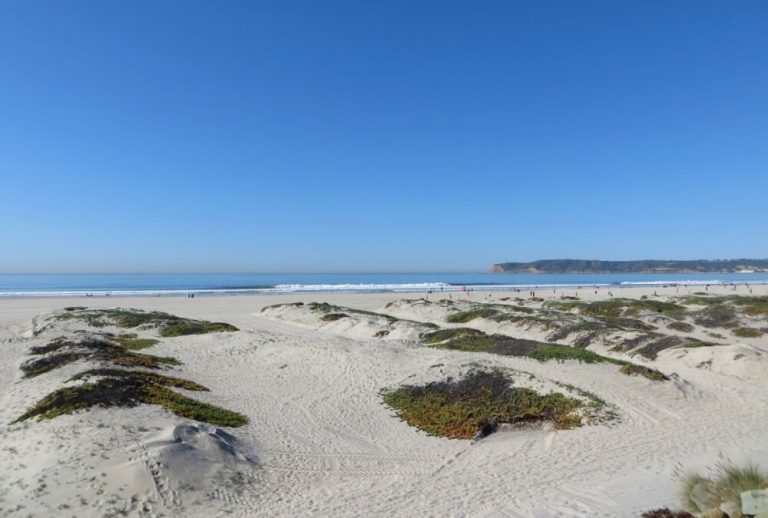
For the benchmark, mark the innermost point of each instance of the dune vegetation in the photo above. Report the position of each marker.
(474, 340)
(722, 491)
(748, 332)
(124, 388)
(166, 324)
(100, 349)
(619, 307)
(477, 404)
(120, 380)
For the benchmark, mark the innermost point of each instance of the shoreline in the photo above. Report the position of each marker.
(432, 289)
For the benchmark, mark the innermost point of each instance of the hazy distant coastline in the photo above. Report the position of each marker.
(580, 266)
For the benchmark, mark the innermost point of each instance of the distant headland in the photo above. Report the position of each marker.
(641, 266)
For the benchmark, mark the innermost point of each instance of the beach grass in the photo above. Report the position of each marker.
(706, 495)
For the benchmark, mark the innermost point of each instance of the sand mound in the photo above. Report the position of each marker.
(208, 443)
(180, 465)
(348, 322)
(424, 310)
(739, 360)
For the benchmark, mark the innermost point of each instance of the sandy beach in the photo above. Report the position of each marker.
(320, 441)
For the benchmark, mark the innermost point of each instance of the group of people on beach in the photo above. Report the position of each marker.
(532, 292)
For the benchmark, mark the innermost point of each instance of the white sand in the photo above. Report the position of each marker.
(320, 442)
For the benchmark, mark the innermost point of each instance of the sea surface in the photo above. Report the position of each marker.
(28, 285)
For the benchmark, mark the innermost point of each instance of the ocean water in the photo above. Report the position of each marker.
(26, 285)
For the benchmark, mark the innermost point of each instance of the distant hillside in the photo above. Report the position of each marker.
(645, 266)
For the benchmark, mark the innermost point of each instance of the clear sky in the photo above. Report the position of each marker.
(379, 135)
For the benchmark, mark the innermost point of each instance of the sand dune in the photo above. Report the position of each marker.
(319, 440)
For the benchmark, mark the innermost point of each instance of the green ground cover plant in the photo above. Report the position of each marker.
(754, 306)
(683, 327)
(619, 307)
(332, 317)
(748, 332)
(474, 340)
(631, 369)
(168, 325)
(468, 339)
(132, 342)
(717, 315)
(123, 388)
(478, 403)
(62, 352)
(652, 349)
(467, 316)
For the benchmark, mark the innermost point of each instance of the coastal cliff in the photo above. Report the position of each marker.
(641, 266)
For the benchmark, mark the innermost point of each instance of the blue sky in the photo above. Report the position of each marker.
(379, 136)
